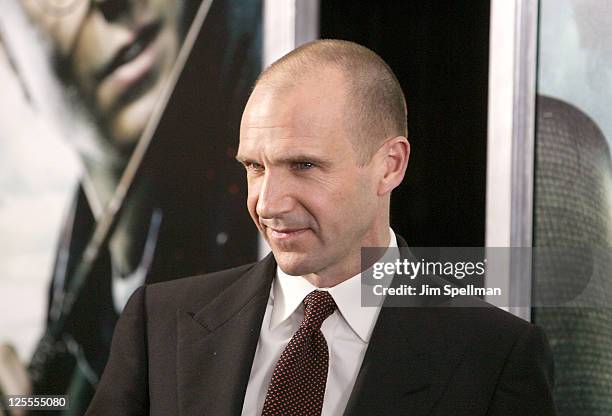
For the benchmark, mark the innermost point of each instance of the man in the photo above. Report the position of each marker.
(323, 141)
(115, 59)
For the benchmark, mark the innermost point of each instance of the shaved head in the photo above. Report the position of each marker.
(323, 143)
(375, 107)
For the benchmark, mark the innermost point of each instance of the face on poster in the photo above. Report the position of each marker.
(115, 54)
(81, 79)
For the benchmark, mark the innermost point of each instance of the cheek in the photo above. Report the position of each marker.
(165, 8)
(90, 51)
(60, 21)
(80, 69)
(171, 13)
(170, 18)
(251, 205)
(251, 202)
(331, 209)
(355, 201)
(170, 44)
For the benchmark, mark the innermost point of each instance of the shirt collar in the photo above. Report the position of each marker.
(288, 292)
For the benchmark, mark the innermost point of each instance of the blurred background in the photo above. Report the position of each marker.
(119, 127)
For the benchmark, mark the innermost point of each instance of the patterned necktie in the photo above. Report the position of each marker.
(298, 382)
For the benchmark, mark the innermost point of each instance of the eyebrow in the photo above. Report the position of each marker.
(242, 160)
(297, 158)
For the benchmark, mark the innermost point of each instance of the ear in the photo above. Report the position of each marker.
(396, 152)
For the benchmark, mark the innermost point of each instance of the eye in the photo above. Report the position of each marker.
(253, 166)
(303, 165)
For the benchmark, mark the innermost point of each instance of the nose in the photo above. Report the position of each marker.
(112, 10)
(274, 197)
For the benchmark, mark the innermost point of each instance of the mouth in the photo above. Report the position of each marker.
(128, 53)
(286, 233)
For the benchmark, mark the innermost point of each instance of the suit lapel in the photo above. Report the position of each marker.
(217, 344)
(409, 361)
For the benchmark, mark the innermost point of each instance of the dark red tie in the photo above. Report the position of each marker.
(298, 382)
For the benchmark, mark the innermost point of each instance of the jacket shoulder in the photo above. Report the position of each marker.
(195, 291)
(470, 312)
(484, 317)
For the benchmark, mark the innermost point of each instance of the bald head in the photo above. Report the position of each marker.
(375, 107)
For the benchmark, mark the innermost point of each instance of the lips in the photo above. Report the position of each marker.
(286, 233)
(142, 39)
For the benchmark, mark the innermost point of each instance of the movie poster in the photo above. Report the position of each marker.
(118, 131)
(573, 198)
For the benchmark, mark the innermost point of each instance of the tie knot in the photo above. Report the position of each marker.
(318, 306)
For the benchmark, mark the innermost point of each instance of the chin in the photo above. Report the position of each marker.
(130, 121)
(291, 264)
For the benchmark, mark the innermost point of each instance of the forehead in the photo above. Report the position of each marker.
(311, 115)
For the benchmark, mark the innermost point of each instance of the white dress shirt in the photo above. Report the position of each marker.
(347, 332)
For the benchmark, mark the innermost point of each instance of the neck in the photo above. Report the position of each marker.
(129, 237)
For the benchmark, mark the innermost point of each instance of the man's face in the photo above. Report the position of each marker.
(307, 194)
(118, 53)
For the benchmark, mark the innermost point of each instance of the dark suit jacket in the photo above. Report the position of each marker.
(185, 347)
